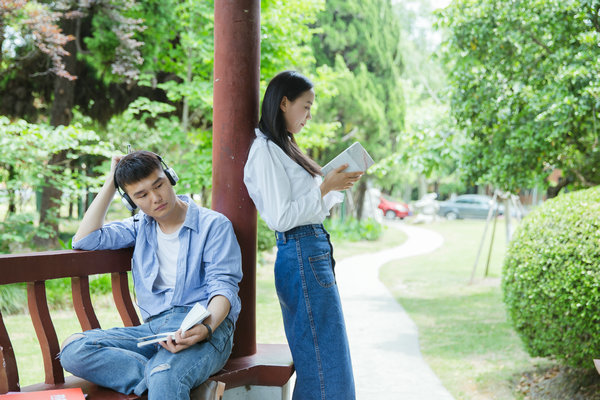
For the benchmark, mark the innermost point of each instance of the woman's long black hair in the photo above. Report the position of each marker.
(290, 84)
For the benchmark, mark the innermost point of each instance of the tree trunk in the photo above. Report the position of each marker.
(12, 204)
(61, 114)
(422, 186)
(360, 197)
(185, 117)
(507, 218)
(554, 190)
(1, 36)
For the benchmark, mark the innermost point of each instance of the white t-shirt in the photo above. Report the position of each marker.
(167, 252)
(284, 193)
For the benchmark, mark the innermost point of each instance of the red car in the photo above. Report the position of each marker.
(393, 209)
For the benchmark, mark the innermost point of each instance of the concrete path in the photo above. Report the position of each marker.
(384, 341)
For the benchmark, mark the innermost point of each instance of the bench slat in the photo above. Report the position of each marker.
(9, 375)
(82, 302)
(44, 329)
(120, 290)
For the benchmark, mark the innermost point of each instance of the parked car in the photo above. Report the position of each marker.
(393, 209)
(468, 206)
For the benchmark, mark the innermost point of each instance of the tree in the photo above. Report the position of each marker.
(132, 71)
(525, 89)
(359, 40)
(26, 150)
(427, 148)
(57, 30)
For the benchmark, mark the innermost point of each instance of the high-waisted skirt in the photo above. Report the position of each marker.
(312, 314)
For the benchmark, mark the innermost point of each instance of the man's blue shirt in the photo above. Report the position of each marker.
(209, 262)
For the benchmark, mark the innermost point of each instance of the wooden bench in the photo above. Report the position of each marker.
(271, 365)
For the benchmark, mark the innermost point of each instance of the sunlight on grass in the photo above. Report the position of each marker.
(25, 344)
(463, 329)
(269, 324)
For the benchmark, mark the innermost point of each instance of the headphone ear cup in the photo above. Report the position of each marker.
(127, 202)
(171, 176)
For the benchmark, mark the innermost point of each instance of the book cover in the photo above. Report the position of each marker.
(59, 394)
(197, 314)
(355, 156)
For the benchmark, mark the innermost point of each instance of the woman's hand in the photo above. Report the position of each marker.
(338, 180)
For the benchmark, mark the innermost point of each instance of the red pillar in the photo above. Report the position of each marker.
(235, 115)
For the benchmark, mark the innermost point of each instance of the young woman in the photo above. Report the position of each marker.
(293, 199)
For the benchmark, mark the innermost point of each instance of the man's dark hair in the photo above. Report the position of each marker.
(136, 166)
(290, 84)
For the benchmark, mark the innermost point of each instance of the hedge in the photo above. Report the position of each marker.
(551, 279)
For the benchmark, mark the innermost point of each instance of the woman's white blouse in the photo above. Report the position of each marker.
(284, 193)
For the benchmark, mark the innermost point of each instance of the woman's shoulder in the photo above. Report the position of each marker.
(260, 140)
(263, 147)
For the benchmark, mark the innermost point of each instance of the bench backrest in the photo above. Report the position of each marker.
(36, 268)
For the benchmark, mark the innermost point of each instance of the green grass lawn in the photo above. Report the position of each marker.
(25, 344)
(463, 329)
(269, 323)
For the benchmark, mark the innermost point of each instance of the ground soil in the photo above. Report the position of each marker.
(560, 383)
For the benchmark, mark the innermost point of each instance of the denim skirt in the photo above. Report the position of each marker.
(312, 314)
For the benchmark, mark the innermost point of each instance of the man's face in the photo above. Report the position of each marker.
(154, 194)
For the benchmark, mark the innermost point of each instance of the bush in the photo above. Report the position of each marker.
(265, 237)
(347, 229)
(353, 229)
(17, 232)
(13, 298)
(551, 279)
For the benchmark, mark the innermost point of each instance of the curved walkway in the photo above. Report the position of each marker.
(383, 339)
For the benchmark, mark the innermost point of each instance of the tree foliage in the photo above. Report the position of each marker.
(428, 147)
(525, 88)
(143, 75)
(38, 22)
(24, 165)
(359, 41)
(140, 72)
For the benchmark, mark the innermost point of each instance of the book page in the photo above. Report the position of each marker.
(355, 156)
(162, 337)
(197, 314)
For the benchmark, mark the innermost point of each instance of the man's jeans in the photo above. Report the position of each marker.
(112, 359)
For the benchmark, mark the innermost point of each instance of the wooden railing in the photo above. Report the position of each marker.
(270, 366)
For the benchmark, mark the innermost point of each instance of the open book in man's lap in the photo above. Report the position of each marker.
(197, 314)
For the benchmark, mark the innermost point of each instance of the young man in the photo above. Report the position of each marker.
(183, 254)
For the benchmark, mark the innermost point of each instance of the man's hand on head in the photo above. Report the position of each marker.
(115, 160)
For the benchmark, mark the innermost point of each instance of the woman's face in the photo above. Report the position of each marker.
(297, 113)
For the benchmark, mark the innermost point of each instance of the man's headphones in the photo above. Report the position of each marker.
(126, 200)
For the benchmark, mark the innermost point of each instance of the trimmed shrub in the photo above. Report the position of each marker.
(551, 279)
(265, 237)
(352, 229)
